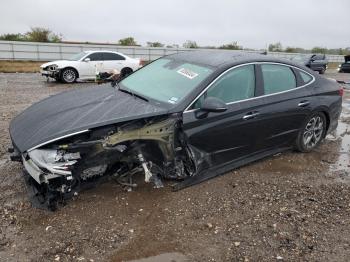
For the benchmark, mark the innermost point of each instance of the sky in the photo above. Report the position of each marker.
(252, 23)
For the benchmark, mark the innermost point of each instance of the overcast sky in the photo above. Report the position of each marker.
(252, 23)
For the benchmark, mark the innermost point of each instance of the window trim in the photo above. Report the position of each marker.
(187, 110)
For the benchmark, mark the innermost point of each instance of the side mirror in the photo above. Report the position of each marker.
(213, 104)
(87, 59)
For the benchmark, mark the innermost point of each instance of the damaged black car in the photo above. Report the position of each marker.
(186, 117)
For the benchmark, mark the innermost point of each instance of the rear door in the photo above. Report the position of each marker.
(227, 136)
(113, 61)
(287, 101)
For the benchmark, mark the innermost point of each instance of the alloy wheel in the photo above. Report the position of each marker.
(313, 132)
(69, 75)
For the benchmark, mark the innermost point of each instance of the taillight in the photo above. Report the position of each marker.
(341, 91)
(141, 62)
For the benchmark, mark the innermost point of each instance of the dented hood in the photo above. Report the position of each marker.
(75, 111)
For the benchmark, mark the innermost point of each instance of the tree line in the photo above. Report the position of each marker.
(40, 34)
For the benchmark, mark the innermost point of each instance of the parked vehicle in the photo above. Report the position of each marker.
(345, 67)
(188, 116)
(85, 65)
(316, 62)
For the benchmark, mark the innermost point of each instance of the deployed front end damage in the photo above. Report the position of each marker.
(59, 170)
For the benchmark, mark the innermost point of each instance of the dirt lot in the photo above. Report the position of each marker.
(291, 207)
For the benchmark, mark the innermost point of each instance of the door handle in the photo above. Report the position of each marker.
(303, 103)
(250, 115)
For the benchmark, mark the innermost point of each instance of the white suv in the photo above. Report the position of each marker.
(87, 64)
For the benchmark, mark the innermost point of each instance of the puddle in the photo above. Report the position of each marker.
(166, 257)
(341, 167)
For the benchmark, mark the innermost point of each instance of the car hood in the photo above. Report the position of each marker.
(75, 111)
(59, 63)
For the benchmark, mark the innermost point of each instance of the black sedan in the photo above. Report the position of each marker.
(187, 117)
(345, 67)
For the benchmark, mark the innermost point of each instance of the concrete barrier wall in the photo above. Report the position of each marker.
(13, 50)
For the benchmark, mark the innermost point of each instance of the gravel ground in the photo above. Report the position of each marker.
(290, 207)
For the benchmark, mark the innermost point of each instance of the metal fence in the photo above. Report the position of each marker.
(12, 50)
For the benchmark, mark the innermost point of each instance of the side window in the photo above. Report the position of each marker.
(235, 85)
(306, 77)
(112, 56)
(319, 57)
(96, 57)
(277, 78)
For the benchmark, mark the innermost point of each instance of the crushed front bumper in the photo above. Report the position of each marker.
(49, 73)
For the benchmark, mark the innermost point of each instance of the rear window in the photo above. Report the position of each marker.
(277, 78)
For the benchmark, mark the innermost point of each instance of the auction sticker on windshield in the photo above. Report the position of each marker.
(188, 73)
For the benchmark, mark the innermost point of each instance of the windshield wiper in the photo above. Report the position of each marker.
(132, 93)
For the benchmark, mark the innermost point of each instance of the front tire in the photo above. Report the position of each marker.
(323, 70)
(68, 75)
(312, 133)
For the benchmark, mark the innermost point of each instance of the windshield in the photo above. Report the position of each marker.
(166, 80)
(78, 56)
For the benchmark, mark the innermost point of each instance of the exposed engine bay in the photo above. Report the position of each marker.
(155, 147)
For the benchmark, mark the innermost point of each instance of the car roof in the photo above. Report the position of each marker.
(222, 58)
(98, 51)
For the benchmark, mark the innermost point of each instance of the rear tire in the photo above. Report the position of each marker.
(68, 75)
(312, 132)
(125, 72)
(323, 70)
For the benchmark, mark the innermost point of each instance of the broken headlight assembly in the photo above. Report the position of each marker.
(52, 162)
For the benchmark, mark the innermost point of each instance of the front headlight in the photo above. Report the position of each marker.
(53, 67)
(56, 161)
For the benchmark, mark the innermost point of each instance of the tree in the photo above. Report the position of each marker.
(40, 34)
(290, 49)
(13, 37)
(155, 44)
(319, 50)
(231, 46)
(276, 47)
(128, 41)
(190, 44)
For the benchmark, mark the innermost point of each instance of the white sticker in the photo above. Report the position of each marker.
(173, 100)
(188, 73)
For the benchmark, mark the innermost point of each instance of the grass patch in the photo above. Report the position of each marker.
(7, 66)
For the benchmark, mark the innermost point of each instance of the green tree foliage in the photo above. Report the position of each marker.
(190, 44)
(155, 44)
(319, 50)
(231, 46)
(13, 37)
(128, 41)
(290, 49)
(40, 34)
(276, 47)
(36, 34)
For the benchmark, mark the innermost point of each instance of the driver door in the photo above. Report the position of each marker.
(88, 69)
(221, 138)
